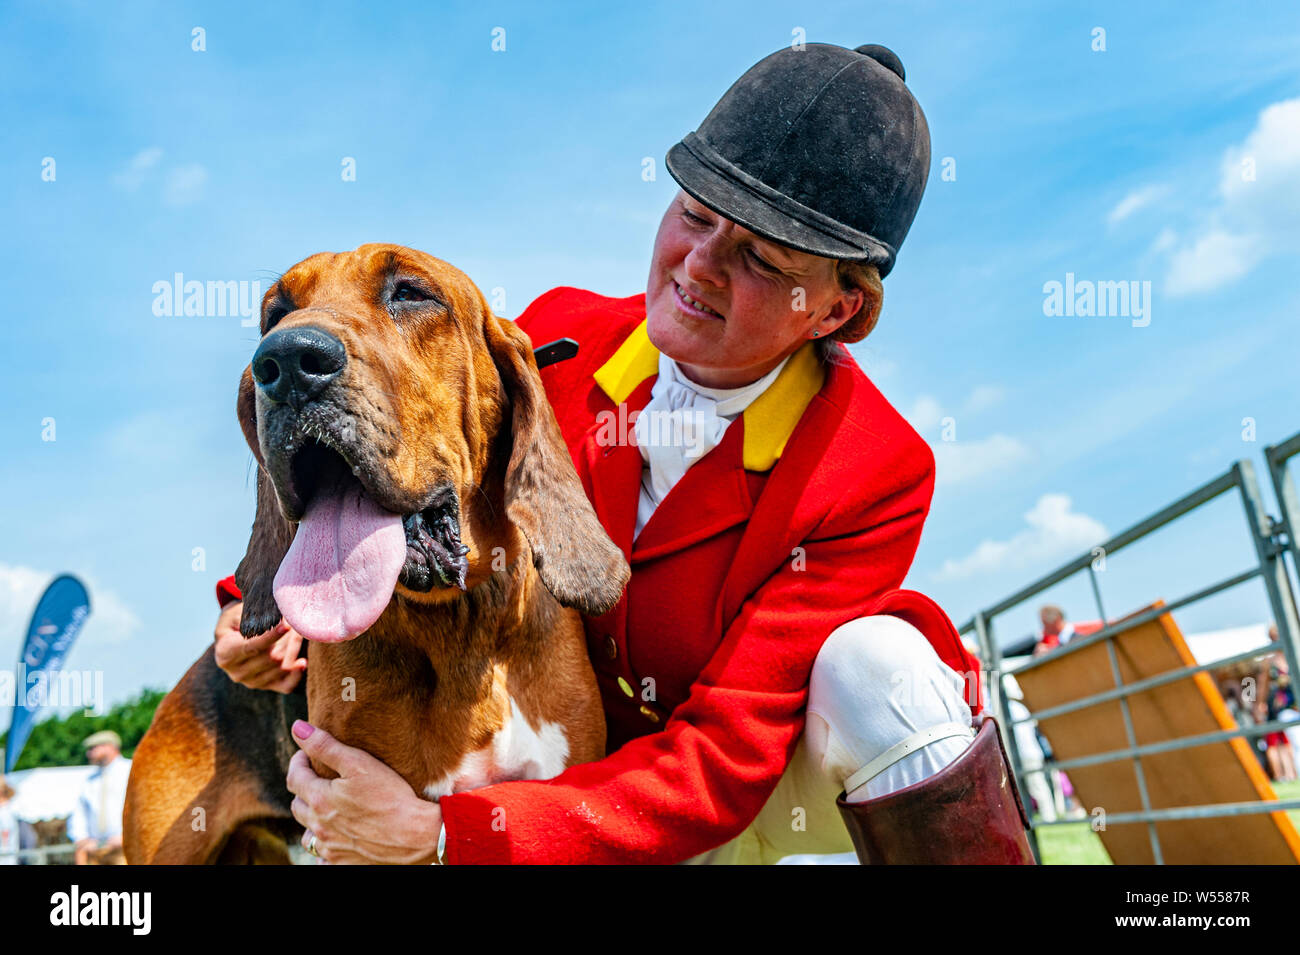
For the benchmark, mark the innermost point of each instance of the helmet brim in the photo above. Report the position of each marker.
(775, 217)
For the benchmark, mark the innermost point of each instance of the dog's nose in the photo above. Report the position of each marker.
(295, 364)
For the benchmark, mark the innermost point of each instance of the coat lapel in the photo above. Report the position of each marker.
(710, 497)
(713, 494)
(615, 470)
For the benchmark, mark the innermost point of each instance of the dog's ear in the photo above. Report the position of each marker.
(544, 498)
(271, 534)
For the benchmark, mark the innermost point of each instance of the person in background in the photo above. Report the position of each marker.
(1276, 696)
(1057, 631)
(95, 826)
(9, 827)
(1031, 759)
(1230, 690)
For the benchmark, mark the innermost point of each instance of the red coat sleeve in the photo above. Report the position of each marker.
(228, 591)
(665, 797)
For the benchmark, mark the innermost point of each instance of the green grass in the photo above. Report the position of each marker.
(1289, 791)
(1071, 844)
(1077, 844)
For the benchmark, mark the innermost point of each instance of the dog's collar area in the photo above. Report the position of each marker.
(561, 349)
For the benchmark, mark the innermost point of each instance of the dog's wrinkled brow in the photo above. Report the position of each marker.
(389, 264)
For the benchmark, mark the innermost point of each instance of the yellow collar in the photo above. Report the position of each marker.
(769, 420)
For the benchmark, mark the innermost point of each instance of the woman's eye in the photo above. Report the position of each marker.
(406, 292)
(692, 217)
(761, 264)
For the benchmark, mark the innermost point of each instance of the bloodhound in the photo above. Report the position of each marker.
(419, 520)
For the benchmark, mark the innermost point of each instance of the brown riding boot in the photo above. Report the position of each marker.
(969, 813)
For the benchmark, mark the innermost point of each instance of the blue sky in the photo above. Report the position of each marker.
(524, 167)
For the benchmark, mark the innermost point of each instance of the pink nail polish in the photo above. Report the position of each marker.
(302, 730)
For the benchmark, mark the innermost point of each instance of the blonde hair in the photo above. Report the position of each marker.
(859, 275)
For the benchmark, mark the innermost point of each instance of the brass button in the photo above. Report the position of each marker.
(649, 714)
(611, 648)
(623, 685)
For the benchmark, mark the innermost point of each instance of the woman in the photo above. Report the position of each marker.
(762, 660)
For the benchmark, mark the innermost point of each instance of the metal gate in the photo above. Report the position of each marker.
(1272, 538)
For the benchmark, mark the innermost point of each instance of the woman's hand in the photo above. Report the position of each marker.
(268, 661)
(368, 815)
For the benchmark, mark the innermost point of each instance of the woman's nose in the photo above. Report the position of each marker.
(706, 263)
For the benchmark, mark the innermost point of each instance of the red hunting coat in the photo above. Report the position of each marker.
(805, 516)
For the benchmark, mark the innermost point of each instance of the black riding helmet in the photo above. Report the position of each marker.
(822, 149)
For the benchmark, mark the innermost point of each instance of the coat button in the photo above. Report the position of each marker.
(611, 648)
(625, 687)
(649, 714)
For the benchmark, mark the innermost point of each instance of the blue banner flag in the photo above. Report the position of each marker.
(59, 616)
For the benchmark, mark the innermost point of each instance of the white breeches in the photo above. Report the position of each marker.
(876, 682)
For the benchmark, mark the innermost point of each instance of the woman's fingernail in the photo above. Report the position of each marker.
(302, 729)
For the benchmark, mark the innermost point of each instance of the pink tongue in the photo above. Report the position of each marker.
(342, 566)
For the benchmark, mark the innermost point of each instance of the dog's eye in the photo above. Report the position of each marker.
(406, 292)
(275, 313)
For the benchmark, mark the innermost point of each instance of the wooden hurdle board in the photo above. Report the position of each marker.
(1223, 772)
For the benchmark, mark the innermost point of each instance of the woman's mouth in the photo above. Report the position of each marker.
(692, 307)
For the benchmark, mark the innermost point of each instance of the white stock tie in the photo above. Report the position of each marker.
(681, 423)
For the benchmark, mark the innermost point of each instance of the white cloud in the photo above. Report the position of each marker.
(137, 170)
(983, 398)
(1053, 531)
(1165, 241)
(1261, 173)
(181, 185)
(1258, 205)
(959, 459)
(185, 185)
(1135, 200)
(964, 460)
(927, 411)
(926, 414)
(111, 621)
(1216, 259)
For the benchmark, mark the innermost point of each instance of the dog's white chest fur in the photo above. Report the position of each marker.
(517, 751)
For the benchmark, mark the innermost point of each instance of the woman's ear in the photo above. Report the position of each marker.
(544, 498)
(849, 304)
(861, 297)
(271, 534)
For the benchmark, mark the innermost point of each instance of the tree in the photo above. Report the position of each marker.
(57, 741)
